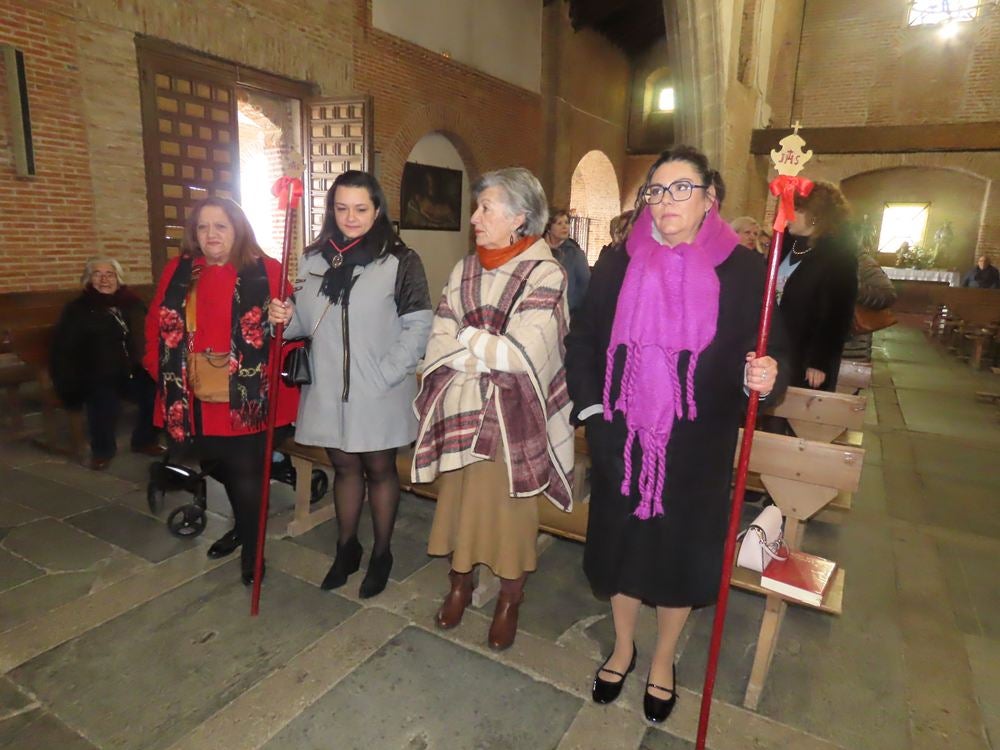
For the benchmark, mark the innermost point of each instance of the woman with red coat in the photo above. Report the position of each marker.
(213, 299)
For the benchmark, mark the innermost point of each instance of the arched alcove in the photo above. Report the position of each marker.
(954, 195)
(439, 249)
(594, 196)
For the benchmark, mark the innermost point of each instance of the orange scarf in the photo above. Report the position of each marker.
(492, 258)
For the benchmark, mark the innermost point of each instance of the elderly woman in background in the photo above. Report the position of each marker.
(747, 229)
(659, 363)
(493, 406)
(96, 360)
(818, 284)
(569, 254)
(207, 345)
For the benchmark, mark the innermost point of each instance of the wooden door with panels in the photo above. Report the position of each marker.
(190, 141)
(338, 138)
(190, 119)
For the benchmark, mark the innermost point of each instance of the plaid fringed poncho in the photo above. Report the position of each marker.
(487, 387)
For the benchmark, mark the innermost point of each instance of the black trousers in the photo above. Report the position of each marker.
(237, 462)
(104, 406)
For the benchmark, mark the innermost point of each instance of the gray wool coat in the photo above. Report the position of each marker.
(388, 322)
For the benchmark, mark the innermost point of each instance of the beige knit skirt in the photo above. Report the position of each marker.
(477, 521)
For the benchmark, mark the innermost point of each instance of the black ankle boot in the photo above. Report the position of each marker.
(347, 561)
(377, 575)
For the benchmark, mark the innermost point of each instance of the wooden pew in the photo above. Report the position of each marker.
(854, 376)
(802, 476)
(823, 416)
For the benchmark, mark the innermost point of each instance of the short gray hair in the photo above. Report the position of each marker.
(88, 269)
(743, 222)
(524, 196)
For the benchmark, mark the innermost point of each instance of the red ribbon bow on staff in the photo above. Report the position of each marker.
(785, 188)
(284, 187)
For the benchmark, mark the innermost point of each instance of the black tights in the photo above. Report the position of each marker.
(353, 471)
(238, 464)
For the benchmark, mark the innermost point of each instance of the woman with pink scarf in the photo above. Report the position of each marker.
(659, 364)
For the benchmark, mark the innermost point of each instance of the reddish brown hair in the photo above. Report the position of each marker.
(245, 248)
(827, 207)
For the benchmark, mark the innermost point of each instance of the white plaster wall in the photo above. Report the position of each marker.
(440, 251)
(500, 37)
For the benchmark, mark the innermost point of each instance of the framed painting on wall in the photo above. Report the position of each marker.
(430, 198)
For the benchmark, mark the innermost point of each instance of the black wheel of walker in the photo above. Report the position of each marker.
(187, 522)
(318, 486)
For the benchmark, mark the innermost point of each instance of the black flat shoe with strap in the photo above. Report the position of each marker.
(658, 709)
(605, 692)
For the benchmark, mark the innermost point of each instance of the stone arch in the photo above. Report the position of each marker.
(595, 195)
(957, 194)
(417, 123)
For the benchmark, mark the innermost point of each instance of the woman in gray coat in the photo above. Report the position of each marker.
(362, 297)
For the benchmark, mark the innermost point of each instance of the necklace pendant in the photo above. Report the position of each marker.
(337, 261)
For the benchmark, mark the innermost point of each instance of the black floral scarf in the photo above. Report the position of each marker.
(247, 358)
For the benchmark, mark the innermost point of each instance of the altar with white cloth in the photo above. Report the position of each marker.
(937, 275)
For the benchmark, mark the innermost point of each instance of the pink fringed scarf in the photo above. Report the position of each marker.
(669, 303)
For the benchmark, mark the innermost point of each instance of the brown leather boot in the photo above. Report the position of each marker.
(504, 626)
(455, 602)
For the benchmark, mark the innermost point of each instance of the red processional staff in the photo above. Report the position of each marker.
(288, 191)
(788, 162)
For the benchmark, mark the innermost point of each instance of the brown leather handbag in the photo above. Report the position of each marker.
(867, 320)
(207, 371)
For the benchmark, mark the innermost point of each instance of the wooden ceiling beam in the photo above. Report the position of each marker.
(886, 139)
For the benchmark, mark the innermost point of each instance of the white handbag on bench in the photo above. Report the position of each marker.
(762, 541)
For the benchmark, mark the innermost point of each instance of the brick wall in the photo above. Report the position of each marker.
(90, 194)
(860, 65)
(46, 222)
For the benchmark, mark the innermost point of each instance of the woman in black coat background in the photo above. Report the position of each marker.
(96, 360)
(817, 286)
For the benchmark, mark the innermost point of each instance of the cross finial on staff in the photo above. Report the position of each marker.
(796, 126)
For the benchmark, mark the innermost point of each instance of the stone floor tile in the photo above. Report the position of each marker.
(200, 649)
(56, 546)
(961, 459)
(951, 415)
(406, 695)
(140, 534)
(261, 712)
(961, 504)
(971, 577)
(15, 514)
(606, 727)
(36, 597)
(984, 659)
(81, 477)
(15, 570)
(46, 496)
(656, 739)
(44, 731)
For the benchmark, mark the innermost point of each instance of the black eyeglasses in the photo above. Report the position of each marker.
(680, 191)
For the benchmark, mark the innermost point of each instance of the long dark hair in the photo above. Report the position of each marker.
(245, 248)
(381, 237)
(696, 159)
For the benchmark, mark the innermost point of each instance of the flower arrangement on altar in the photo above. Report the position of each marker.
(916, 256)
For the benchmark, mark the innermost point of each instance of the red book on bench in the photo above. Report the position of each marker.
(802, 576)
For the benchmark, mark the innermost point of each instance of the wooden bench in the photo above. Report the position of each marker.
(803, 477)
(854, 376)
